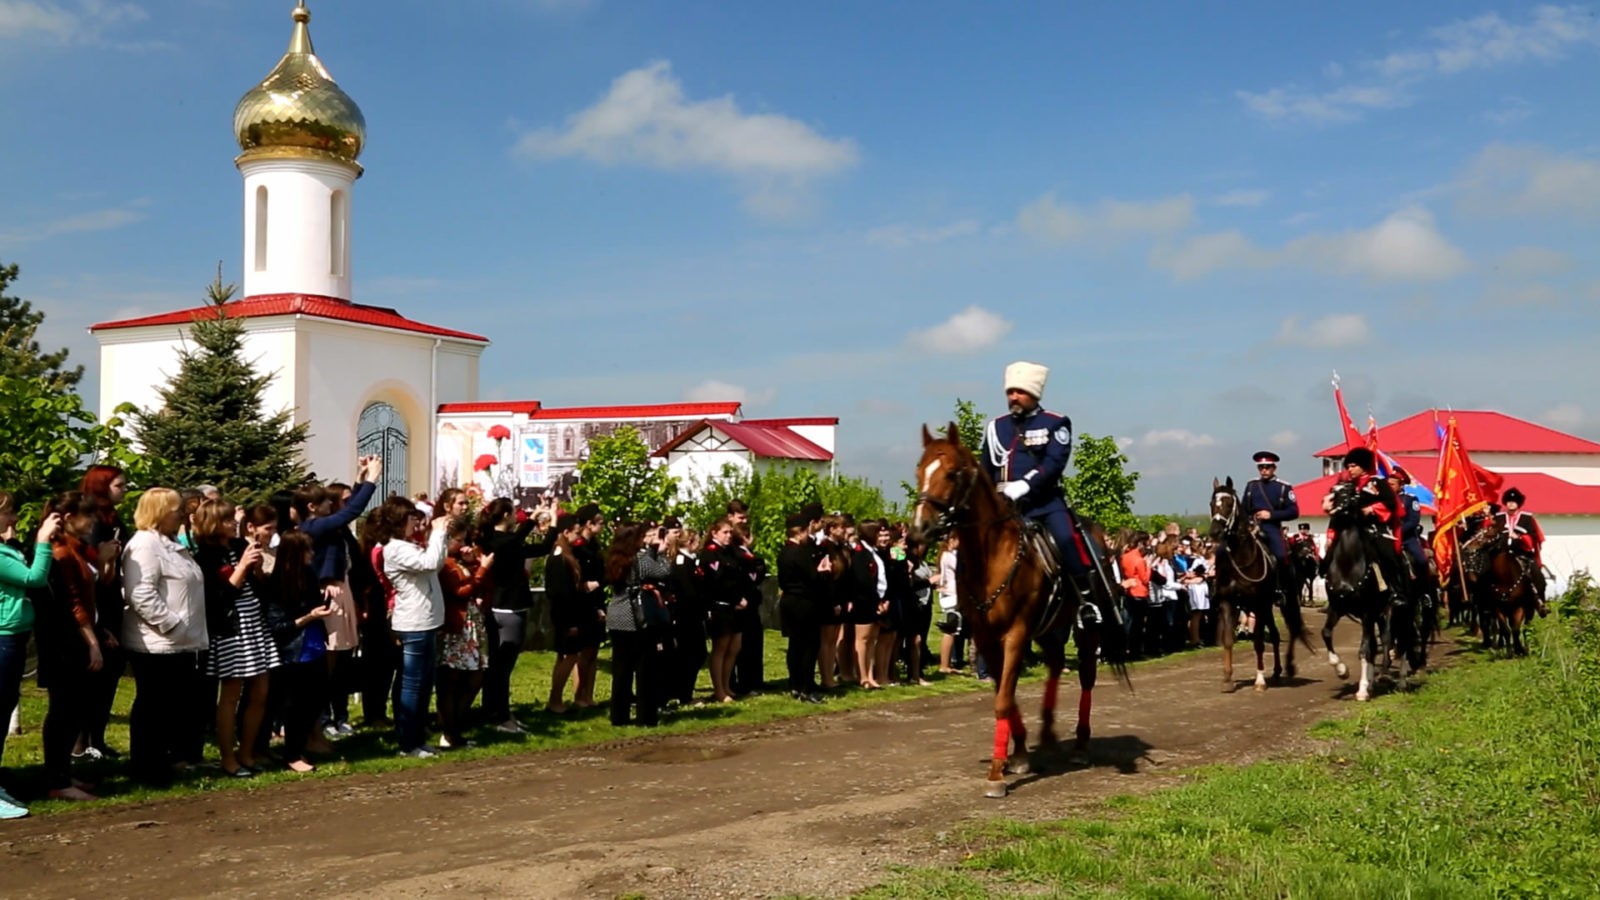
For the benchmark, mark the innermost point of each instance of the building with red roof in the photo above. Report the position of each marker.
(705, 450)
(1558, 472)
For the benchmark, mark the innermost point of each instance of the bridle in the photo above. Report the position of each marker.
(1231, 530)
(951, 512)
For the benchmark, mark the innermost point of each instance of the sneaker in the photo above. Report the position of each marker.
(10, 808)
(510, 728)
(93, 754)
(345, 729)
(419, 753)
(331, 732)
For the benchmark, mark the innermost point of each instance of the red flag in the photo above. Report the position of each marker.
(1352, 437)
(1461, 488)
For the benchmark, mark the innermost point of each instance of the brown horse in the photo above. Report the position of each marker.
(1502, 584)
(1004, 586)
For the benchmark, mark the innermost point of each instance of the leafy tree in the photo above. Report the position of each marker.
(211, 428)
(47, 439)
(20, 355)
(1100, 487)
(969, 424)
(773, 494)
(619, 477)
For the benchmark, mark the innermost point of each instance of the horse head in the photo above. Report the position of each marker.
(948, 476)
(1224, 508)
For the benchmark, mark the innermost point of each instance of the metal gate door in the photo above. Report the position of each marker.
(381, 432)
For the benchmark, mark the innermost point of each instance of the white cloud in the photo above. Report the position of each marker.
(1174, 437)
(713, 391)
(1048, 219)
(1340, 330)
(1405, 246)
(646, 120)
(1529, 261)
(968, 331)
(1529, 180)
(1565, 416)
(83, 22)
(95, 220)
(1283, 440)
(902, 236)
(1241, 198)
(1482, 42)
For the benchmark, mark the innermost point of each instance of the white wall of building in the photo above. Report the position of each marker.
(304, 205)
(698, 468)
(821, 435)
(1573, 467)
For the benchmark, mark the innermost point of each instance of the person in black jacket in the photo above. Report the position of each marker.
(869, 588)
(689, 613)
(504, 538)
(803, 576)
(591, 556)
(570, 614)
(720, 582)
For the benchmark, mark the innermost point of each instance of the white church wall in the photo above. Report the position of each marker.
(305, 248)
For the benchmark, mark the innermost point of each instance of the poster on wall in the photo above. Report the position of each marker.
(532, 459)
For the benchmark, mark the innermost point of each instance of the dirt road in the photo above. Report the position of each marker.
(817, 806)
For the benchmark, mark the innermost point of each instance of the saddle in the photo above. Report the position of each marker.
(1038, 541)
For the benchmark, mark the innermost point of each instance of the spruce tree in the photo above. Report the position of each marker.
(211, 428)
(20, 356)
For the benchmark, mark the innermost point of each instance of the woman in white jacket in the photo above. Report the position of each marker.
(163, 632)
(413, 569)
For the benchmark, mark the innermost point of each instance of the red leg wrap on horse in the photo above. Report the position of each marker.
(1002, 738)
(1085, 702)
(1051, 686)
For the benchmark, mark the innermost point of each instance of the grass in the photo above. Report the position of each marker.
(373, 751)
(1481, 784)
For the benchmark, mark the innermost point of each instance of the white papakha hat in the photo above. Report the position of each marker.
(1027, 376)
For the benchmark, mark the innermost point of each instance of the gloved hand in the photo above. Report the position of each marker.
(1015, 490)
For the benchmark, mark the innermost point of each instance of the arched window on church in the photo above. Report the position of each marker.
(381, 432)
(569, 442)
(261, 228)
(338, 227)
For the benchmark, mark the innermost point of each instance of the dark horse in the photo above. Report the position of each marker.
(1303, 563)
(1355, 588)
(1004, 588)
(1247, 582)
(1502, 586)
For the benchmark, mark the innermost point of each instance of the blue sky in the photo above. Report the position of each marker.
(1192, 212)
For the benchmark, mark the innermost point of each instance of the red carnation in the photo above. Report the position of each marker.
(484, 462)
(499, 433)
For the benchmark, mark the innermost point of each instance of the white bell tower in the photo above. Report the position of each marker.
(300, 135)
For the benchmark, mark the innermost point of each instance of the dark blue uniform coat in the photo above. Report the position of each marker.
(1035, 448)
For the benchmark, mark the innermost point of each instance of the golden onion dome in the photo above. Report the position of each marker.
(298, 110)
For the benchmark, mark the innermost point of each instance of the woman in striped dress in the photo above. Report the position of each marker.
(242, 648)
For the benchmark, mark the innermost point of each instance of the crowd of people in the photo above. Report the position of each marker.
(256, 626)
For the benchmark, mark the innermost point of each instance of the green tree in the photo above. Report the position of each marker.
(211, 428)
(773, 494)
(20, 355)
(1100, 487)
(47, 439)
(619, 477)
(969, 424)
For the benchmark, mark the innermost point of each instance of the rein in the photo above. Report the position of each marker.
(1231, 529)
(953, 513)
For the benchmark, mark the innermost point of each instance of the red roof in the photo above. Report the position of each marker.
(790, 423)
(763, 440)
(646, 411)
(314, 305)
(1482, 431)
(524, 407)
(1547, 494)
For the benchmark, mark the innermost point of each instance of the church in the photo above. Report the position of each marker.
(369, 380)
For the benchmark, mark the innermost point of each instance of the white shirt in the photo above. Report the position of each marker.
(414, 572)
(947, 580)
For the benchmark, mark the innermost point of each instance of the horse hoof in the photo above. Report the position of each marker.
(1342, 670)
(1363, 696)
(1260, 688)
(1018, 765)
(1229, 687)
(995, 790)
(1079, 756)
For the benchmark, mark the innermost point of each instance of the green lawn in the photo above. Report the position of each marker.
(1481, 784)
(374, 751)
